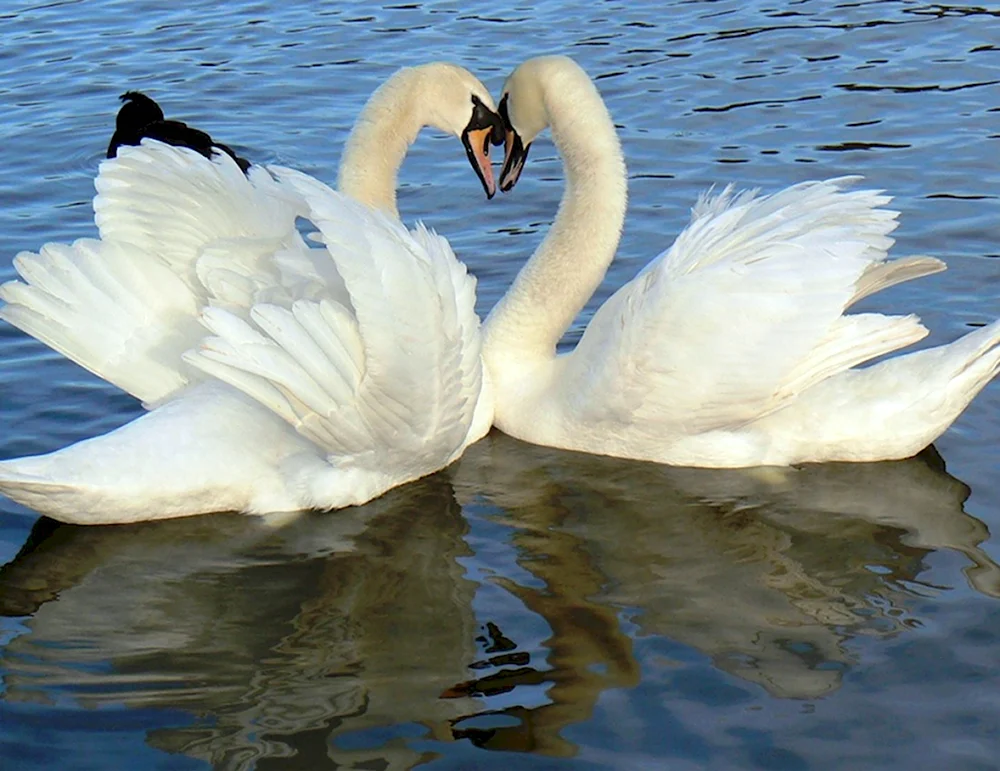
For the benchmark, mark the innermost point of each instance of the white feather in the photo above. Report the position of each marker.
(287, 377)
(732, 348)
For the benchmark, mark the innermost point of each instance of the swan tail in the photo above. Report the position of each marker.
(945, 380)
(73, 485)
(20, 485)
(116, 312)
(26, 481)
(957, 370)
(897, 407)
(208, 450)
(974, 361)
(882, 275)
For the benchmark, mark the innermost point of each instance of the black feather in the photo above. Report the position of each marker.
(140, 117)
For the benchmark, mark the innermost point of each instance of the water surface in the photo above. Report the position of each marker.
(526, 608)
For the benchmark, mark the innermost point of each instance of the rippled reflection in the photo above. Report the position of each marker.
(302, 637)
(276, 639)
(771, 573)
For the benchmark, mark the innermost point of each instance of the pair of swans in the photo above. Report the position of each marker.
(334, 374)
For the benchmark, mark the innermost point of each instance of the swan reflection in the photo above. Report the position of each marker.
(351, 639)
(333, 623)
(769, 573)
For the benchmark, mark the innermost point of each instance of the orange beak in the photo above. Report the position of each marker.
(477, 148)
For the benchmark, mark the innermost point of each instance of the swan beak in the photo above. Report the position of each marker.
(477, 148)
(514, 155)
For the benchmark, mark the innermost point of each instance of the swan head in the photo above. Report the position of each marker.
(524, 113)
(552, 91)
(461, 105)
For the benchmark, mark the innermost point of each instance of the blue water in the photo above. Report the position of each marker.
(527, 608)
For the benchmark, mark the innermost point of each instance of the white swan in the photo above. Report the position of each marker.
(731, 348)
(332, 375)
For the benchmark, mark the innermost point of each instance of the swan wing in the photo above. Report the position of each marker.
(388, 375)
(126, 306)
(172, 203)
(119, 313)
(743, 312)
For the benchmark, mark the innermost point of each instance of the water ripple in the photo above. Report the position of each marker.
(651, 618)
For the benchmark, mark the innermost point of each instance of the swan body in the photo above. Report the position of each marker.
(732, 348)
(279, 375)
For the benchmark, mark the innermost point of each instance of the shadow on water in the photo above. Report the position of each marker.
(769, 573)
(350, 639)
(276, 639)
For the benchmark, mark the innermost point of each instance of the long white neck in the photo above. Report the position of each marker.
(382, 134)
(570, 263)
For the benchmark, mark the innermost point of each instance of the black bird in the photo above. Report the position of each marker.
(141, 117)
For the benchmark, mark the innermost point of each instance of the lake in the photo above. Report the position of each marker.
(526, 608)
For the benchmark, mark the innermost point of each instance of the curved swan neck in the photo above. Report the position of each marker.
(570, 263)
(382, 134)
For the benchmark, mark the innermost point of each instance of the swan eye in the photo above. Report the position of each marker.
(484, 117)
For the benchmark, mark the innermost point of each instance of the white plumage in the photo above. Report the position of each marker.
(325, 377)
(732, 348)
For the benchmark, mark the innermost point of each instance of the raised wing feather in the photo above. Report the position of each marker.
(126, 307)
(171, 202)
(743, 312)
(118, 313)
(393, 371)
